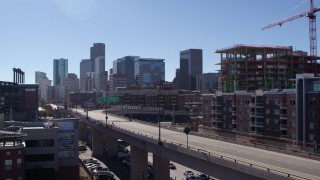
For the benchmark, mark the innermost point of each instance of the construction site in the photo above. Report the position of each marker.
(253, 67)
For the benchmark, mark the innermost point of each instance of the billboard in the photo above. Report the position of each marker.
(66, 140)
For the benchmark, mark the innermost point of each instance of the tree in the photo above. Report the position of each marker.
(187, 131)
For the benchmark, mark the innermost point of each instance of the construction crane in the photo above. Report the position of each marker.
(312, 29)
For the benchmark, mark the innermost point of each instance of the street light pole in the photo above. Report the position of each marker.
(107, 105)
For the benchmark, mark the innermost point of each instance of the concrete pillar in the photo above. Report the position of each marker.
(138, 165)
(112, 145)
(97, 143)
(161, 168)
(83, 131)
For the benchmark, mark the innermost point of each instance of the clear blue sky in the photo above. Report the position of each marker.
(35, 32)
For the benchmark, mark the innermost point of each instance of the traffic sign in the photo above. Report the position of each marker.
(109, 99)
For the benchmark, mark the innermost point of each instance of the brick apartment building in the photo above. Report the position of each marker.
(288, 114)
(12, 155)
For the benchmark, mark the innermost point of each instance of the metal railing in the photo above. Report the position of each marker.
(225, 157)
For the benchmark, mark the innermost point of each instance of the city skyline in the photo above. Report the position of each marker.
(38, 32)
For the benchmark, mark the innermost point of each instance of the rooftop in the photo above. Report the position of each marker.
(245, 47)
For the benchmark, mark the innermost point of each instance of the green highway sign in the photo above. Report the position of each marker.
(109, 99)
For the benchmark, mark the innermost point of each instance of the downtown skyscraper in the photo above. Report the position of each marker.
(60, 70)
(190, 68)
(97, 50)
(149, 71)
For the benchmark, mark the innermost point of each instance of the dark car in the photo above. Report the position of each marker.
(172, 166)
(202, 176)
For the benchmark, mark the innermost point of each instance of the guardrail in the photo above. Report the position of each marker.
(231, 159)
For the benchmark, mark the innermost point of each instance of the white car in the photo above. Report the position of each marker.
(188, 173)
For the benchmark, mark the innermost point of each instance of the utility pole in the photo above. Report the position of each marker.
(107, 105)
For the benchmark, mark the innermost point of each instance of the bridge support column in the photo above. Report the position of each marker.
(97, 143)
(83, 131)
(112, 145)
(161, 168)
(138, 165)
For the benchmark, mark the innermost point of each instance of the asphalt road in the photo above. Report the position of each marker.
(290, 164)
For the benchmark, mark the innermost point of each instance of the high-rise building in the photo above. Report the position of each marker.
(115, 81)
(85, 66)
(39, 75)
(71, 82)
(44, 84)
(190, 68)
(100, 73)
(22, 99)
(60, 70)
(125, 65)
(149, 71)
(207, 82)
(97, 50)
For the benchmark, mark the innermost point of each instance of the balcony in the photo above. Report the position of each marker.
(283, 116)
(234, 121)
(216, 111)
(259, 115)
(283, 106)
(257, 124)
(256, 105)
(217, 120)
(283, 127)
(217, 103)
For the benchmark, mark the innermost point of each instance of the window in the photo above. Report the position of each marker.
(19, 163)
(311, 113)
(276, 122)
(293, 135)
(276, 112)
(19, 178)
(277, 101)
(267, 111)
(267, 121)
(8, 153)
(267, 101)
(292, 124)
(292, 102)
(292, 113)
(312, 137)
(39, 157)
(8, 164)
(312, 102)
(311, 125)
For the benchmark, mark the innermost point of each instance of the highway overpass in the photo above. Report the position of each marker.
(219, 159)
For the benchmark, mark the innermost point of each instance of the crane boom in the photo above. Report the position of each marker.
(280, 22)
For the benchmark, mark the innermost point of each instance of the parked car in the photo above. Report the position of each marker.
(202, 176)
(82, 148)
(190, 177)
(98, 169)
(102, 175)
(90, 159)
(188, 172)
(92, 168)
(172, 166)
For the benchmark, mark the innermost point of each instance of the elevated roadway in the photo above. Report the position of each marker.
(208, 155)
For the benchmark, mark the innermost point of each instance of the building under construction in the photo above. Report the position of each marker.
(252, 67)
